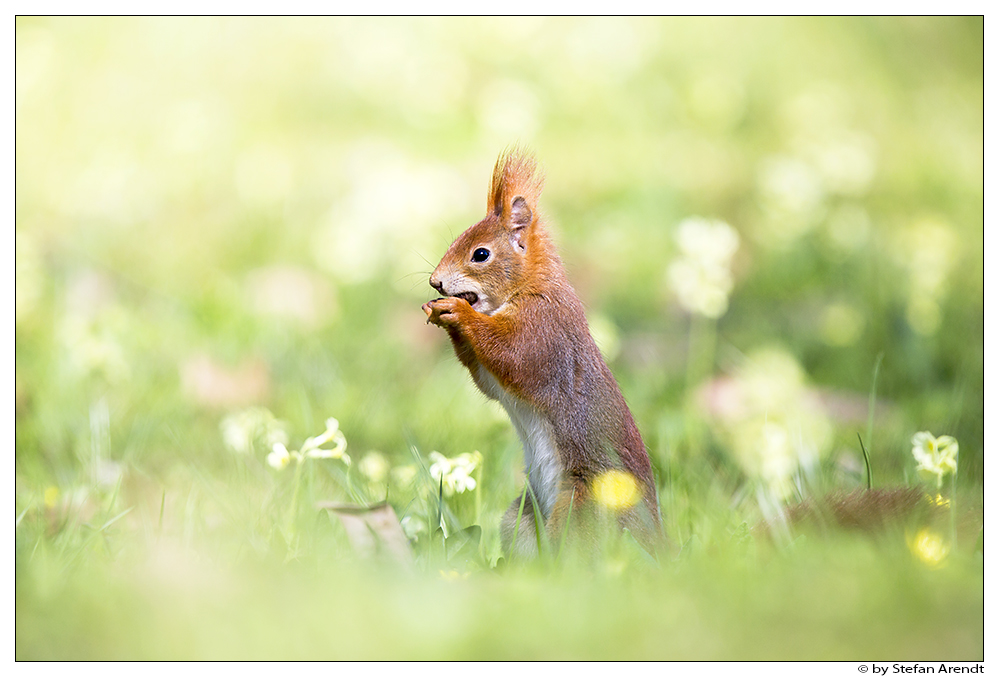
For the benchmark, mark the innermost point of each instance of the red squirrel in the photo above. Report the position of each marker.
(518, 326)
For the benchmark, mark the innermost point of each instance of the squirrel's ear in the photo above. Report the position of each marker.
(520, 212)
(519, 218)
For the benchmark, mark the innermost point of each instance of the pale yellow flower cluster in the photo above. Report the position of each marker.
(936, 457)
(702, 278)
(456, 473)
(313, 447)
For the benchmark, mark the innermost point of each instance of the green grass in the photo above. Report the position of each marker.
(206, 585)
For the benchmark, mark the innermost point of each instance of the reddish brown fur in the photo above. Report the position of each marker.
(515, 173)
(530, 334)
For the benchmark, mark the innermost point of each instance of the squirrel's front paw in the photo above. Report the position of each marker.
(445, 312)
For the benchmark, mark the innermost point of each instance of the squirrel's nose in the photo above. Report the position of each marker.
(439, 286)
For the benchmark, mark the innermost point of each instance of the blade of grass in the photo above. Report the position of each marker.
(440, 507)
(538, 519)
(116, 518)
(20, 517)
(565, 530)
(867, 462)
(520, 515)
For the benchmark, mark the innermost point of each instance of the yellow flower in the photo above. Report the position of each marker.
(936, 457)
(453, 575)
(938, 501)
(929, 547)
(616, 489)
(51, 496)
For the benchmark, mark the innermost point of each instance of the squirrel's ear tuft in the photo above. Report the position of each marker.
(515, 188)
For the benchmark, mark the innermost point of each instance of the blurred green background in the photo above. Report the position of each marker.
(218, 214)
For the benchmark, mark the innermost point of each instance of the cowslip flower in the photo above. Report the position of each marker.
(616, 490)
(936, 457)
(455, 473)
(280, 457)
(313, 447)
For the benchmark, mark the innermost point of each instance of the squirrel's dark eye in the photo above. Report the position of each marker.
(480, 255)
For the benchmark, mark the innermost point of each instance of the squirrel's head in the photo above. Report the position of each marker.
(503, 254)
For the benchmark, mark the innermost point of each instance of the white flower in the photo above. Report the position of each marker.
(235, 435)
(711, 242)
(700, 289)
(455, 473)
(313, 446)
(936, 457)
(701, 278)
(279, 457)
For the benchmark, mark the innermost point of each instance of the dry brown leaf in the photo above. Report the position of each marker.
(373, 530)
